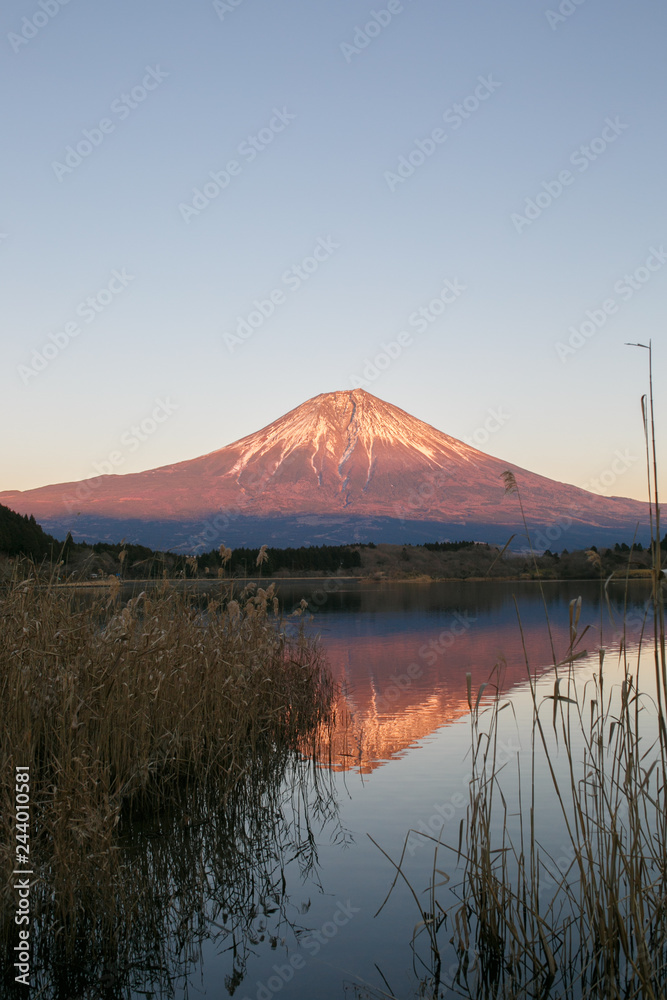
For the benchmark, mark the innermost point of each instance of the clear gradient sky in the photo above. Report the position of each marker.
(305, 111)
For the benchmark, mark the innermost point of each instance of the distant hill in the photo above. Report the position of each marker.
(20, 535)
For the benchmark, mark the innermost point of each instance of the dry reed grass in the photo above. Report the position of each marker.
(125, 710)
(518, 926)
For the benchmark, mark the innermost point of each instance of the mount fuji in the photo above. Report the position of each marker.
(341, 467)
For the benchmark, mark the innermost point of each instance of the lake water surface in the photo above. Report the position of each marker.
(399, 757)
(289, 904)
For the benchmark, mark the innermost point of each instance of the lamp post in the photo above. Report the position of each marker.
(656, 561)
(651, 460)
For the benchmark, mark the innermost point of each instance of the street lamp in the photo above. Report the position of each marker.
(658, 605)
(652, 489)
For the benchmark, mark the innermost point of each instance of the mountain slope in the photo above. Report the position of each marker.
(341, 458)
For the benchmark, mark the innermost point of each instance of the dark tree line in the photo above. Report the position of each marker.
(323, 558)
(452, 546)
(21, 535)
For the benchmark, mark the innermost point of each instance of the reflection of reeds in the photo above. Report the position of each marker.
(205, 868)
(123, 712)
(520, 924)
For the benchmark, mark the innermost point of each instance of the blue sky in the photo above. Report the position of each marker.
(369, 159)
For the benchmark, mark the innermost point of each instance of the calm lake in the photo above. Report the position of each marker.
(304, 924)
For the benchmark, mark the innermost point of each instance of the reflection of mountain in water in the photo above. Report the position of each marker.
(402, 677)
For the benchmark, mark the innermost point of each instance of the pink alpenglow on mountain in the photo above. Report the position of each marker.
(343, 466)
